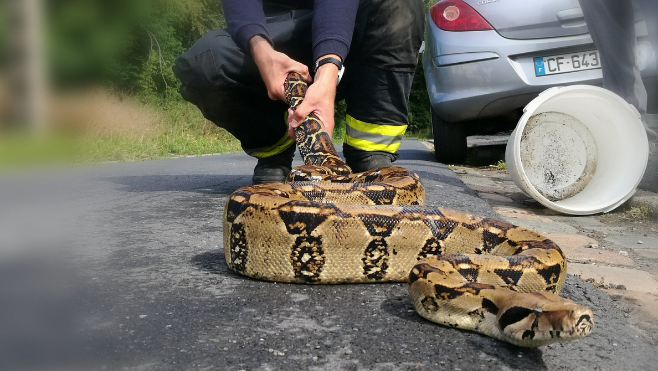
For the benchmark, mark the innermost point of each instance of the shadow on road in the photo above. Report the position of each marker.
(201, 183)
(512, 356)
(437, 177)
(213, 262)
(485, 155)
(400, 306)
(416, 155)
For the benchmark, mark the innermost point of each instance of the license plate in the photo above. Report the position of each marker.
(566, 63)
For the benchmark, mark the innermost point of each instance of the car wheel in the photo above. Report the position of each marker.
(449, 140)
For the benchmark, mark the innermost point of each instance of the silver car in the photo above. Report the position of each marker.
(489, 58)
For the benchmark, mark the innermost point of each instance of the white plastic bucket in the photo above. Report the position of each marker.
(578, 150)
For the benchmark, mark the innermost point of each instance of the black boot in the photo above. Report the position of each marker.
(374, 161)
(274, 169)
(360, 160)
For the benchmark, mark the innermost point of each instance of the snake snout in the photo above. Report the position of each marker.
(541, 325)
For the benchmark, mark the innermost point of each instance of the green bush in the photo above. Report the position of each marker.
(4, 32)
(419, 103)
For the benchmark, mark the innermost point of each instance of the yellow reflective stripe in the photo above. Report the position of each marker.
(389, 130)
(280, 146)
(373, 137)
(367, 145)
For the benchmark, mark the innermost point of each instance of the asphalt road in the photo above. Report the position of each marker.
(120, 266)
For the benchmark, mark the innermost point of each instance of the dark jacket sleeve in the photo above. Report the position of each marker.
(333, 26)
(245, 19)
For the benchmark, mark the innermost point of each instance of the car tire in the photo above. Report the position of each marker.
(449, 140)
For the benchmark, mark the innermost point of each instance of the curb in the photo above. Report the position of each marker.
(644, 199)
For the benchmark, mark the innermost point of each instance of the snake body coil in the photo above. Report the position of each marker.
(328, 226)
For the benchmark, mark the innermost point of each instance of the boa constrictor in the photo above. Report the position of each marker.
(328, 226)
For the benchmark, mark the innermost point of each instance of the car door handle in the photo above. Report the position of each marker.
(571, 18)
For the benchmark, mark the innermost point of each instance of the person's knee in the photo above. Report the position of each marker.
(198, 67)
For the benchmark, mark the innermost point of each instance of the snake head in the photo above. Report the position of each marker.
(545, 321)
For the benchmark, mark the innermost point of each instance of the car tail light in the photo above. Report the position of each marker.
(456, 15)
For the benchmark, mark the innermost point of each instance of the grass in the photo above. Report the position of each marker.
(100, 127)
(500, 165)
(170, 144)
(420, 134)
(20, 150)
(637, 212)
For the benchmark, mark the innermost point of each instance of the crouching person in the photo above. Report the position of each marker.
(236, 76)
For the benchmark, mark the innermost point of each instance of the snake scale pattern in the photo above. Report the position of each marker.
(326, 225)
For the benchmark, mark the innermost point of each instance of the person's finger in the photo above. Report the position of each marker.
(291, 132)
(275, 91)
(291, 114)
(301, 69)
(306, 74)
(292, 123)
(301, 112)
(281, 90)
(272, 94)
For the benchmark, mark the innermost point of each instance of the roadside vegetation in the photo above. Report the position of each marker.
(637, 213)
(500, 165)
(114, 96)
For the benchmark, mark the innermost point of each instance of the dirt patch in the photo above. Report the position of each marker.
(101, 114)
(640, 311)
(642, 227)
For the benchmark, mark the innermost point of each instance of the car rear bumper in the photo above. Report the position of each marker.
(473, 75)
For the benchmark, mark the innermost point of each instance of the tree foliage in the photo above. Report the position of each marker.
(4, 32)
(127, 45)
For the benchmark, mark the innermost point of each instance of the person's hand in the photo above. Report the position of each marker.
(319, 99)
(274, 67)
